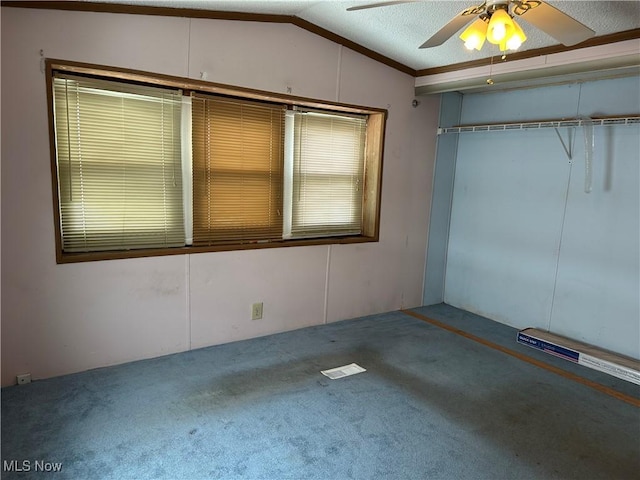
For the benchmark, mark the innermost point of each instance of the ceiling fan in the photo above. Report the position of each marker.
(547, 18)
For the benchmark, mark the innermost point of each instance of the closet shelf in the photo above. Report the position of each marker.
(576, 122)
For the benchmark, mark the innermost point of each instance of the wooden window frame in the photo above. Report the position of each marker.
(374, 148)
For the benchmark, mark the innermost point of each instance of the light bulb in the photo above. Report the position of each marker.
(499, 31)
(475, 35)
(471, 43)
(517, 38)
(500, 26)
(513, 43)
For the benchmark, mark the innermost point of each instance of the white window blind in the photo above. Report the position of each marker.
(328, 167)
(118, 164)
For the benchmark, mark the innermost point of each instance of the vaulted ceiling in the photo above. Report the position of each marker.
(392, 33)
(397, 31)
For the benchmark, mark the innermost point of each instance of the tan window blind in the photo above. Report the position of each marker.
(118, 164)
(237, 170)
(328, 166)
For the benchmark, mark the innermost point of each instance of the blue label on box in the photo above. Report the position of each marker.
(547, 347)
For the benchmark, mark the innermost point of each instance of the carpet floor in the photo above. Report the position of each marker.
(432, 404)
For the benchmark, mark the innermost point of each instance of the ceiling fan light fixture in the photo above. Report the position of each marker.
(517, 38)
(475, 34)
(500, 26)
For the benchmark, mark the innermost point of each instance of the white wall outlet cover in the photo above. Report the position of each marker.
(256, 311)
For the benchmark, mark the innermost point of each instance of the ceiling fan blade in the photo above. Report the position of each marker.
(455, 24)
(380, 4)
(556, 23)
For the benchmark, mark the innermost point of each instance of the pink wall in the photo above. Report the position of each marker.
(58, 319)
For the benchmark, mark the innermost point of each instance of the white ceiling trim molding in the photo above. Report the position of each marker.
(603, 61)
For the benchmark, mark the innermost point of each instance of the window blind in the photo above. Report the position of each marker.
(237, 170)
(328, 167)
(118, 164)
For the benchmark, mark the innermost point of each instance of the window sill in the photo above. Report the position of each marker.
(63, 258)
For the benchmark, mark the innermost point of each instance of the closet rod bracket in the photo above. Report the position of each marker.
(568, 146)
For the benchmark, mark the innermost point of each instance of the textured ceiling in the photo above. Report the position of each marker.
(396, 31)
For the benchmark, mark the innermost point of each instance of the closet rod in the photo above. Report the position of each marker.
(626, 120)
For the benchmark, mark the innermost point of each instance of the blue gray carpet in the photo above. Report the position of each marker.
(431, 405)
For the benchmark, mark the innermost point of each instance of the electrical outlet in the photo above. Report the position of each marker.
(23, 379)
(256, 311)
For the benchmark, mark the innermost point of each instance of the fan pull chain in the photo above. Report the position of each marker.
(490, 80)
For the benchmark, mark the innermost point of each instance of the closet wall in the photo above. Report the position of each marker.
(527, 246)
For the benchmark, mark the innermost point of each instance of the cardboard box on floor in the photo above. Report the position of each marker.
(596, 358)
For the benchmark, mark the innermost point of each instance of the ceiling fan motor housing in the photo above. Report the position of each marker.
(518, 7)
(493, 5)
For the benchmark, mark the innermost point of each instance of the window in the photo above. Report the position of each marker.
(327, 174)
(237, 170)
(119, 165)
(148, 165)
